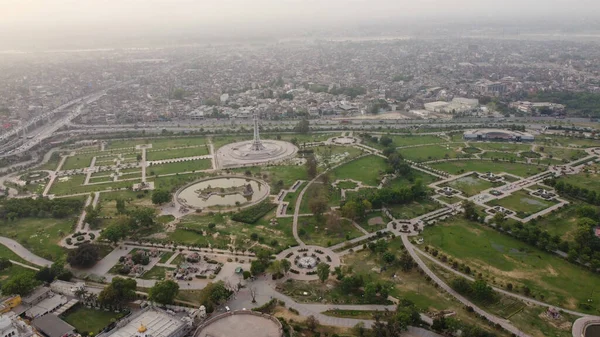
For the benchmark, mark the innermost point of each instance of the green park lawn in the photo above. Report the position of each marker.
(331, 155)
(169, 142)
(224, 140)
(413, 209)
(89, 320)
(567, 141)
(78, 161)
(450, 200)
(156, 273)
(469, 185)
(501, 156)
(483, 166)
(508, 147)
(316, 232)
(179, 167)
(407, 181)
(228, 232)
(177, 153)
(522, 203)
(430, 152)
(300, 138)
(408, 140)
(173, 182)
(502, 259)
(9, 254)
(39, 235)
(374, 221)
(564, 154)
(562, 222)
(347, 185)
(589, 181)
(315, 190)
(287, 174)
(75, 185)
(366, 169)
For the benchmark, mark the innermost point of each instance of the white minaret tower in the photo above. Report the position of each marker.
(256, 144)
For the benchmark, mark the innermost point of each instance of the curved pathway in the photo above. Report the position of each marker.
(492, 318)
(25, 254)
(500, 290)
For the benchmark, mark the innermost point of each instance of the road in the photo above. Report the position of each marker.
(492, 318)
(25, 254)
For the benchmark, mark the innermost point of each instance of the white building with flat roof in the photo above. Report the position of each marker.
(151, 321)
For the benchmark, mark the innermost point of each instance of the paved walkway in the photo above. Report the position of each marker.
(492, 318)
(24, 253)
(500, 290)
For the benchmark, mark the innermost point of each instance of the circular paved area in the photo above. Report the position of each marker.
(241, 324)
(241, 154)
(304, 260)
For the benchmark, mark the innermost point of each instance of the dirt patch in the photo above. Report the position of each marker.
(376, 221)
(551, 271)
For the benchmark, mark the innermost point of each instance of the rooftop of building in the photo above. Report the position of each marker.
(241, 324)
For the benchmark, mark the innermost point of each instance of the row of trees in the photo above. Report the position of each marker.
(582, 193)
(41, 208)
(133, 220)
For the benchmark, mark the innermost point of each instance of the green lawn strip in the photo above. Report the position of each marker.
(413, 209)
(130, 175)
(126, 143)
(501, 155)
(102, 173)
(502, 259)
(177, 153)
(287, 174)
(130, 170)
(331, 155)
(51, 164)
(356, 314)
(562, 222)
(406, 181)
(219, 141)
(292, 197)
(300, 138)
(227, 232)
(39, 235)
(564, 154)
(315, 190)
(431, 152)
(89, 320)
(450, 200)
(347, 185)
(508, 147)
(75, 185)
(179, 167)
(165, 143)
(100, 180)
(316, 232)
(567, 141)
(367, 169)
(470, 185)
(173, 182)
(523, 203)
(165, 256)
(482, 166)
(77, 162)
(407, 140)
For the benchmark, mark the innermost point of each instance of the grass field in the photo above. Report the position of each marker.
(430, 152)
(413, 209)
(156, 273)
(482, 166)
(374, 221)
(522, 203)
(408, 140)
(567, 141)
(562, 222)
(366, 169)
(236, 234)
(509, 147)
(224, 140)
(77, 162)
(469, 185)
(75, 185)
(313, 232)
(589, 181)
(404, 181)
(169, 142)
(180, 167)
(9, 254)
(502, 259)
(300, 138)
(273, 174)
(564, 154)
(331, 155)
(39, 235)
(501, 156)
(177, 153)
(89, 320)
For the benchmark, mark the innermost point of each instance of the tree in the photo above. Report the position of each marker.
(498, 219)
(84, 256)
(164, 292)
(275, 267)
(286, 265)
(351, 210)
(118, 292)
(20, 284)
(311, 167)
(318, 206)
(323, 271)
(114, 232)
(142, 216)
(406, 262)
(160, 197)
(385, 141)
(5, 263)
(482, 291)
(470, 211)
(120, 204)
(461, 285)
(312, 323)
(303, 126)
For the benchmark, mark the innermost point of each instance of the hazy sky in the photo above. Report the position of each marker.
(24, 19)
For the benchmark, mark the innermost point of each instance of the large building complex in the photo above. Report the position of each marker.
(151, 321)
(241, 323)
